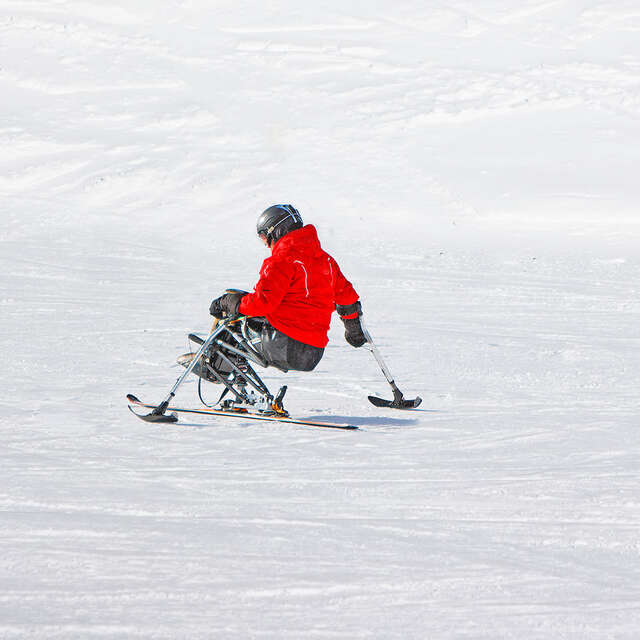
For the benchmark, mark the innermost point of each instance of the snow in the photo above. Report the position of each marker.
(473, 168)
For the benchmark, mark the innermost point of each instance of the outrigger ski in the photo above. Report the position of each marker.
(242, 414)
(398, 402)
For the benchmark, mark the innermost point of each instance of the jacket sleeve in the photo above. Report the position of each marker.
(343, 291)
(274, 282)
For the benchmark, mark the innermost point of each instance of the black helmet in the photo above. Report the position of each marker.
(277, 221)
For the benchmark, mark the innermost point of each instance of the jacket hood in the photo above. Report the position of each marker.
(302, 241)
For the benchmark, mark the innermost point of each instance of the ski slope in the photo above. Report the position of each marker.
(473, 168)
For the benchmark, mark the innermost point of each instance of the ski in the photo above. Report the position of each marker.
(133, 401)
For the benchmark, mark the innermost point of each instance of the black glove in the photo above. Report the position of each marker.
(226, 305)
(353, 333)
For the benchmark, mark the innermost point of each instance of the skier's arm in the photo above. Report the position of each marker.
(343, 291)
(271, 288)
(348, 307)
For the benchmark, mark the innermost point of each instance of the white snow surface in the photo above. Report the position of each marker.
(473, 167)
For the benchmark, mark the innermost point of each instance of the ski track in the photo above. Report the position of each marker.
(473, 168)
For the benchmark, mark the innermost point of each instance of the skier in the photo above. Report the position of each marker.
(299, 287)
(283, 323)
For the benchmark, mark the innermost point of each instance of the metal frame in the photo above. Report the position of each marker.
(245, 375)
(158, 414)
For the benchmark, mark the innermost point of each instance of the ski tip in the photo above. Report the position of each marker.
(379, 402)
(155, 417)
(163, 417)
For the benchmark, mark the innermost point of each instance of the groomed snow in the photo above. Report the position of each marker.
(473, 166)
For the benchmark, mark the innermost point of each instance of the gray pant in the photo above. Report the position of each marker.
(281, 351)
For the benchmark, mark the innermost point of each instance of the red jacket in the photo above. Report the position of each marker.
(299, 286)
